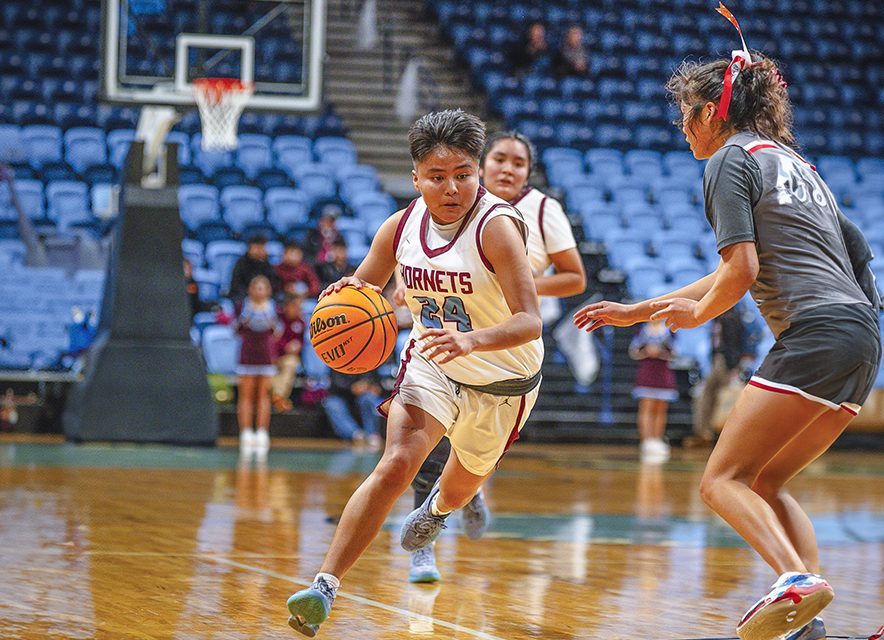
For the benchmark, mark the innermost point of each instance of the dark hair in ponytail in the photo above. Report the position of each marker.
(759, 102)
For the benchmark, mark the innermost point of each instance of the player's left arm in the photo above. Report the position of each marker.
(736, 272)
(569, 278)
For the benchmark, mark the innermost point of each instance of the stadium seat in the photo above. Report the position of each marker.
(242, 206)
(286, 207)
(84, 147)
(254, 153)
(220, 258)
(220, 349)
(42, 143)
(68, 202)
(198, 203)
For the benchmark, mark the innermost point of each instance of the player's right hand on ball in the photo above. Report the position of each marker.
(348, 281)
(599, 314)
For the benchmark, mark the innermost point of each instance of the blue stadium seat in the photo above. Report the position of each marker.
(221, 255)
(643, 278)
(183, 141)
(193, 251)
(254, 153)
(42, 143)
(11, 145)
(197, 203)
(30, 197)
(220, 349)
(84, 147)
(242, 206)
(335, 151)
(208, 161)
(68, 202)
(118, 142)
(316, 181)
(286, 207)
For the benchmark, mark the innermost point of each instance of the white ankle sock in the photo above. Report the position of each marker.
(435, 510)
(330, 579)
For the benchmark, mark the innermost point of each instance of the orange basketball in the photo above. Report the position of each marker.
(353, 330)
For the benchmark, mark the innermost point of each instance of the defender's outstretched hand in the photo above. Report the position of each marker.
(599, 314)
(348, 281)
(677, 312)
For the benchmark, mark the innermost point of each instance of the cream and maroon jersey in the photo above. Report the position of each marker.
(549, 230)
(450, 284)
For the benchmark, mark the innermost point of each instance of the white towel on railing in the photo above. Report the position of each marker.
(367, 36)
(407, 97)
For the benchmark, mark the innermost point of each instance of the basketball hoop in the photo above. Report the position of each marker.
(221, 101)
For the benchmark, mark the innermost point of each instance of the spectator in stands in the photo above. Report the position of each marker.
(288, 350)
(338, 265)
(361, 393)
(296, 276)
(197, 304)
(532, 52)
(258, 325)
(654, 389)
(571, 59)
(729, 338)
(320, 239)
(253, 263)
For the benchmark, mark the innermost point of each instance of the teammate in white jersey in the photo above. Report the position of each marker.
(506, 165)
(472, 368)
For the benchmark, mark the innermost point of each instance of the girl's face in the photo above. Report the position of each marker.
(702, 132)
(448, 180)
(259, 290)
(506, 168)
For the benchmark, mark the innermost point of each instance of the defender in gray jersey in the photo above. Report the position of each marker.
(780, 235)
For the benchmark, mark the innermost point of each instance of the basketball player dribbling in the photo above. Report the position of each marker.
(781, 235)
(505, 167)
(471, 369)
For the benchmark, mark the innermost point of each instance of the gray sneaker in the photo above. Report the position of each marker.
(475, 517)
(421, 527)
(310, 607)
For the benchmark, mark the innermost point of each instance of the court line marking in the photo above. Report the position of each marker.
(366, 601)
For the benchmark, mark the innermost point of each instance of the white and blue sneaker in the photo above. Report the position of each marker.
(794, 601)
(421, 527)
(309, 608)
(813, 630)
(423, 566)
(475, 517)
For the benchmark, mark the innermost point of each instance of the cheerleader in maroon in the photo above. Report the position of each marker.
(257, 325)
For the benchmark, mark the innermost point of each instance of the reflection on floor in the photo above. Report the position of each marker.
(120, 541)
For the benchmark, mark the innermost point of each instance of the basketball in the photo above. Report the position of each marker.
(353, 330)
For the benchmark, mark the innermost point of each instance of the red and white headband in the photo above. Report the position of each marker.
(740, 59)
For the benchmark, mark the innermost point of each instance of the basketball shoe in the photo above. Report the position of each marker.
(421, 527)
(309, 608)
(793, 601)
(813, 630)
(423, 565)
(475, 517)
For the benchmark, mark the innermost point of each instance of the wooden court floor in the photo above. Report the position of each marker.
(100, 541)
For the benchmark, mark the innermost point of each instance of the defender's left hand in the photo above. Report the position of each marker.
(679, 313)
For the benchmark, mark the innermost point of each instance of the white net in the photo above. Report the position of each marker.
(221, 102)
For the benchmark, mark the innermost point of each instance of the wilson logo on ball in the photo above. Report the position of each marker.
(321, 324)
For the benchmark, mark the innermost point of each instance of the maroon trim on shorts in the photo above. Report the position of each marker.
(425, 226)
(514, 434)
(383, 407)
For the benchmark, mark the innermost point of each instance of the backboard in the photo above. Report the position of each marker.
(152, 50)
